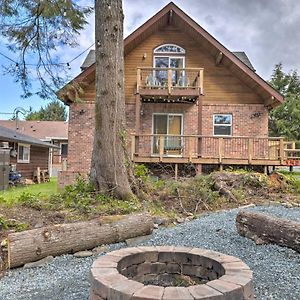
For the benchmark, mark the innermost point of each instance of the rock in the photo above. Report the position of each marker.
(155, 226)
(100, 249)
(287, 205)
(81, 254)
(247, 206)
(179, 220)
(1, 264)
(137, 240)
(39, 263)
(159, 221)
(3, 243)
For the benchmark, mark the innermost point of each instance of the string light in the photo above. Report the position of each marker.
(68, 64)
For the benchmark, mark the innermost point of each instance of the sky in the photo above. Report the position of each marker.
(267, 30)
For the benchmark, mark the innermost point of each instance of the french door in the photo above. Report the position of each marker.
(169, 125)
(168, 62)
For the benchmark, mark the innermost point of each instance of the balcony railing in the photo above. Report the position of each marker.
(170, 80)
(211, 149)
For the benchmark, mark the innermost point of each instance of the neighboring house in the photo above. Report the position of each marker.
(54, 132)
(188, 100)
(26, 153)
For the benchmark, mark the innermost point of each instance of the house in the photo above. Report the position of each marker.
(188, 100)
(26, 153)
(53, 132)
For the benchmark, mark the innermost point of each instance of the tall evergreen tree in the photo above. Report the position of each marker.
(285, 119)
(54, 111)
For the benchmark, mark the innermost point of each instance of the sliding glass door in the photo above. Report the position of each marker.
(169, 125)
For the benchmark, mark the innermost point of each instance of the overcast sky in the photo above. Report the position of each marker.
(267, 30)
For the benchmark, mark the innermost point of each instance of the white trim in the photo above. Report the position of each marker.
(23, 161)
(169, 52)
(226, 125)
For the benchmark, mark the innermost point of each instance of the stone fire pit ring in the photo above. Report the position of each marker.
(146, 272)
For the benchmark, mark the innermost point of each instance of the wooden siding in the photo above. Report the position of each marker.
(38, 158)
(220, 84)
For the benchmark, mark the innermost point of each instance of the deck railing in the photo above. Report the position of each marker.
(211, 148)
(170, 78)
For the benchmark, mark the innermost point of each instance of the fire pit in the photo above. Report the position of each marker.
(170, 273)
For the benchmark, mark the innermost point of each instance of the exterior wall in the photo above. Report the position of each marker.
(224, 93)
(39, 157)
(220, 84)
(247, 120)
(81, 131)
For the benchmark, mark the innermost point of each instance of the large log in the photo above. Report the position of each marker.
(266, 229)
(35, 244)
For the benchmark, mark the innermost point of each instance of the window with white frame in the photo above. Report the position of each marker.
(23, 153)
(222, 124)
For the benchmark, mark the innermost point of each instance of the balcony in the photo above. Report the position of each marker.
(197, 149)
(169, 84)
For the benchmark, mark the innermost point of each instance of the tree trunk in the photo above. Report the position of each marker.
(265, 229)
(108, 169)
(35, 244)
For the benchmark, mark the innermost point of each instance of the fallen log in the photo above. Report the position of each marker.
(266, 229)
(35, 244)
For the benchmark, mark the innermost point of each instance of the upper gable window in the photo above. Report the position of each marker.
(169, 49)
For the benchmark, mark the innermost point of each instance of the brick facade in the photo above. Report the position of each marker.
(249, 120)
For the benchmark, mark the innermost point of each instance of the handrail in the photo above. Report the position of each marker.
(212, 136)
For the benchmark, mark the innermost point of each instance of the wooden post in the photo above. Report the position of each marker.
(199, 140)
(161, 147)
(201, 81)
(169, 81)
(281, 150)
(38, 175)
(138, 80)
(132, 147)
(198, 169)
(221, 168)
(221, 149)
(265, 170)
(137, 113)
(176, 172)
(250, 150)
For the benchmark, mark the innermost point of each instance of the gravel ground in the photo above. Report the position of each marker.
(276, 269)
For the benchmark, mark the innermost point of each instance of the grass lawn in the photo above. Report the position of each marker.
(43, 189)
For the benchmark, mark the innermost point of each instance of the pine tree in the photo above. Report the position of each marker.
(285, 119)
(54, 111)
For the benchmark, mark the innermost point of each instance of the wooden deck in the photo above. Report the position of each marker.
(184, 149)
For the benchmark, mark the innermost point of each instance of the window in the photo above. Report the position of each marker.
(169, 48)
(23, 153)
(169, 56)
(64, 150)
(222, 124)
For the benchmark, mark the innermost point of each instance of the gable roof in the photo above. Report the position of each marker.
(172, 14)
(9, 135)
(42, 130)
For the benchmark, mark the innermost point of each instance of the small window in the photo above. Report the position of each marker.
(223, 125)
(64, 150)
(23, 153)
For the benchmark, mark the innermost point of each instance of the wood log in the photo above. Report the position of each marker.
(35, 244)
(267, 229)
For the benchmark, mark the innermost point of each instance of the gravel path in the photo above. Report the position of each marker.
(276, 269)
